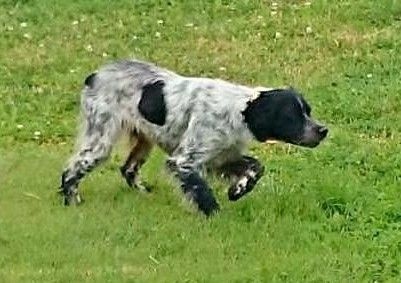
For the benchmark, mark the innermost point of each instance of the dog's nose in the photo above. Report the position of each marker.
(323, 131)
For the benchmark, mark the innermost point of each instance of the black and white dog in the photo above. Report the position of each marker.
(199, 122)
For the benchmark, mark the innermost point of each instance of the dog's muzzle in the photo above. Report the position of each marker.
(314, 133)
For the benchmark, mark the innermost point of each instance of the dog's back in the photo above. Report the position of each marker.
(213, 105)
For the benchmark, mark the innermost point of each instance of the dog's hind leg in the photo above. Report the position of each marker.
(247, 172)
(137, 157)
(99, 135)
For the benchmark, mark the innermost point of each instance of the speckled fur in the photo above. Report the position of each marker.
(204, 126)
(203, 118)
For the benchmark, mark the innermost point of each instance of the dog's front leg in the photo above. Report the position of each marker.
(195, 187)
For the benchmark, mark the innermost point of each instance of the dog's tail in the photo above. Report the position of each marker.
(90, 80)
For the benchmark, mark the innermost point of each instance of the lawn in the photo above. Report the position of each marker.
(331, 214)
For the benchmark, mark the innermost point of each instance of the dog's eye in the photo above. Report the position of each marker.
(305, 106)
(307, 109)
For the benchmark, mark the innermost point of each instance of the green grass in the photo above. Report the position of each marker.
(332, 214)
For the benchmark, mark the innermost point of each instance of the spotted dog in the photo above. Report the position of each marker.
(201, 123)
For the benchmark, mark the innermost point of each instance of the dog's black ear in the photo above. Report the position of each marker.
(152, 105)
(258, 116)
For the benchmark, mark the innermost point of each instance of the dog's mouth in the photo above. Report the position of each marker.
(308, 144)
(313, 137)
(311, 144)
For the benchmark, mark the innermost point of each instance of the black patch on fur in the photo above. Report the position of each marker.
(90, 80)
(276, 114)
(152, 105)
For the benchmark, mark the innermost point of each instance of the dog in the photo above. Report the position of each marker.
(201, 123)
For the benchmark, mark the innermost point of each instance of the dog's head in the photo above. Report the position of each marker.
(283, 114)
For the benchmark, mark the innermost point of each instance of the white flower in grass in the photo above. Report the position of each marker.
(134, 37)
(273, 13)
(23, 24)
(308, 30)
(307, 3)
(39, 90)
(158, 34)
(74, 23)
(89, 48)
(36, 135)
(369, 76)
(20, 126)
(27, 36)
(278, 35)
(160, 22)
(189, 25)
(10, 28)
(222, 69)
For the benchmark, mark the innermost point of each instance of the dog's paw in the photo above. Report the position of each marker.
(209, 208)
(243, 186)
(205, 200)
(71, 197)
(129, 176)
(133, 181)
(142, 187)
